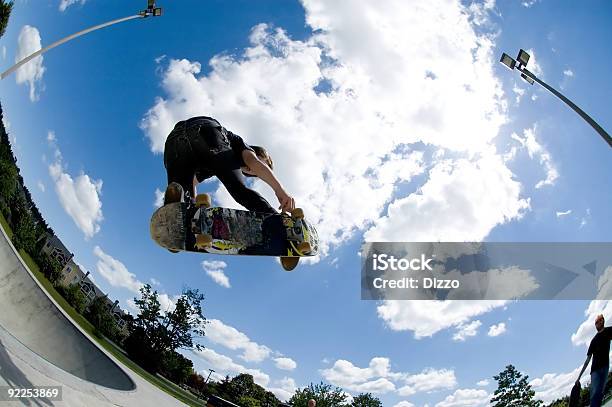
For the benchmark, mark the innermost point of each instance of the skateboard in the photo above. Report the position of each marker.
(199, 227)
(574, 400)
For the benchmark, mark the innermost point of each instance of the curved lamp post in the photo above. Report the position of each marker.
(520, 64)
(151, 10)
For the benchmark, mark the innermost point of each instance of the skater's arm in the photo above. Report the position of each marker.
(586, 363)
(262, 171)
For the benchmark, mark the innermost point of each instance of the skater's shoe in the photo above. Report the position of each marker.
(174, 193)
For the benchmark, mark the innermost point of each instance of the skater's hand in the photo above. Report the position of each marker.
(287, 203)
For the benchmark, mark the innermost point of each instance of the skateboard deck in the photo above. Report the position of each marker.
(574, 400)
(199, 228)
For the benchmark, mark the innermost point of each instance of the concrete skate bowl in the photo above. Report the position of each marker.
(30, 319)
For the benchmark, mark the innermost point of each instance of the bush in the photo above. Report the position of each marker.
(74, 296)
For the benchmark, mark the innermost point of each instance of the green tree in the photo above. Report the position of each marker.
(322, 393)
(74, 296)
(366, 400)
(176, 367)
(49, 266)
(25, 233)
(174, 329)
(247, 401)
(513, 390)
(99, 316)
(8, 179)
(243, 391)
(5, 12)
(196, 382)
(154, 334)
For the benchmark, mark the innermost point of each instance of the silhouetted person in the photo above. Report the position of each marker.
(599, 350)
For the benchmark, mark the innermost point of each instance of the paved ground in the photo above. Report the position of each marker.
(41, 346)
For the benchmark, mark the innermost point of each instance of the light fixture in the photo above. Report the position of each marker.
(508, 61)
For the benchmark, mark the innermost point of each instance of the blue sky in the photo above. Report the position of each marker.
(392, 122)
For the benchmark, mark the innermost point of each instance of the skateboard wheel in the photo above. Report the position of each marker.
(304, 248)
(289, 263)
(203, 200)
(297, 213)
(203, 241)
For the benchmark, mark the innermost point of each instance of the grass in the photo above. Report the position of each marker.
(6, 226)
(162, 384)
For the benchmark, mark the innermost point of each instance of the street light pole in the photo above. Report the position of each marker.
(211, 371)
(150, 11)
(527, 75)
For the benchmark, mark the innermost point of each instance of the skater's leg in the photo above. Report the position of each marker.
(245, 196)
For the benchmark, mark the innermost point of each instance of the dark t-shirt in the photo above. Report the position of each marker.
(238, 146)
(224, 157)
(600, 349)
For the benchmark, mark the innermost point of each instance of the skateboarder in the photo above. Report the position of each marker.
(199, 148)
(599, 349)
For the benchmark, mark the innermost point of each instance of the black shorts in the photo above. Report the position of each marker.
(200, 147)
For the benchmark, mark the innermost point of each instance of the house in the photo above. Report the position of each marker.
(55, 249)
(71, 274)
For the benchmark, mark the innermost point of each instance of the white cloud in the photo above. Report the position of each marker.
(428, 381)
(535, 149)
(159, 198)
(375, 377)
(404, 404)
(480, 11)
(568, 74)
(352, 138)
(466, 398)
(553, 386)
(231, 338)
(214, 269)
(483, 383)
(378, 378)
(462, 201)
(115, 272)
(3, 52)
(529, 3)
(131, 306)
(533, 65)
(166, 303)
(426, 318)
(154, 281)
(80, 196)
(464, 331)
(286, 388)
(565, 213)
(32, 72)
(41, 186)
(64, 4)
(586, 218)
(586, 331)
(496, 330)
(519, 92)
(285, 363)
(224, 365)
